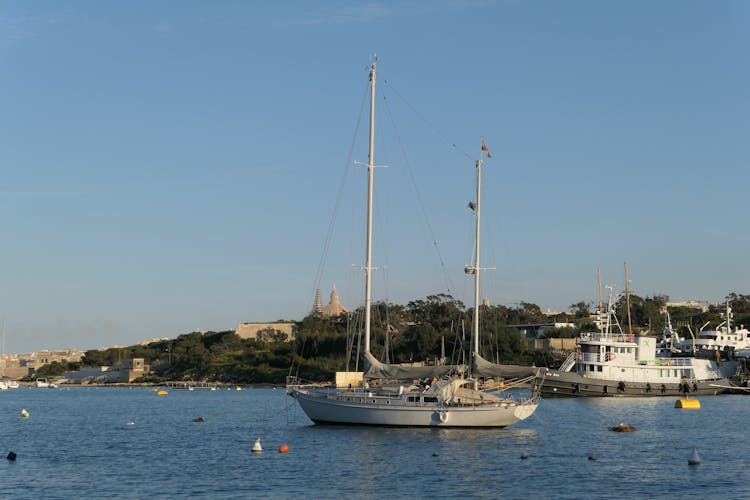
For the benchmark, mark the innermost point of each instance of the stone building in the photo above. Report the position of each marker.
(17, 366)
(125, 371)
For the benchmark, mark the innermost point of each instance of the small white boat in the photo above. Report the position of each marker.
(695, 458)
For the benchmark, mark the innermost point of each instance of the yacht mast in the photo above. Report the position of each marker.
(600, 311)
(474, 269)
(370, 181)
(475, 326)
(627, 302)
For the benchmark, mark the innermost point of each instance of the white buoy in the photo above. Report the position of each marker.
(257, 448)
(130, 422)
(24, 413)
(694, 459)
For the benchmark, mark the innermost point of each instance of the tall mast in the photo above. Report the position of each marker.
(370, 181)
(475, 329)
(627, 303)
(600, 311)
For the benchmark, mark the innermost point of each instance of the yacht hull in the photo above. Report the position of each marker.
(361, 409)
(570, 384)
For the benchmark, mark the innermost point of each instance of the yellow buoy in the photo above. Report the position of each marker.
(162, 393)
(24, 413)
(239, 388)
(688, 404)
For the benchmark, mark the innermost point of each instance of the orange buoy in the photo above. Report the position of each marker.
(283, 449)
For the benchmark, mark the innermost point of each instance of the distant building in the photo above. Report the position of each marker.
(250, 330)
(18, 366)
(334, 307)
(690, 304)
(556, 344)
(125, 371)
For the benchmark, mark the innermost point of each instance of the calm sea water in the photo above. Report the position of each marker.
(77, 444)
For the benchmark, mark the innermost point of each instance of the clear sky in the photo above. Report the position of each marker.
(172, 166)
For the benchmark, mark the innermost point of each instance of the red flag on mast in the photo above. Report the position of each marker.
(486, 149)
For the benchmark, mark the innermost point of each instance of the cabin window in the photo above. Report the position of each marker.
(599, 368)
(429, 399)
(591, 368)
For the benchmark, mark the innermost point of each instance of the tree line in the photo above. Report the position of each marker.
(430, 330)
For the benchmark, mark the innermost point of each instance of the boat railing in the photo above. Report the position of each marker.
(607, 357)
(603, 337)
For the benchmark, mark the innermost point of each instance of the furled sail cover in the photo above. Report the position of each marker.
(484, 368)
(377, 370)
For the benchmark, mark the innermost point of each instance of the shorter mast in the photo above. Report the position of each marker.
(627, 302)
(476, 207)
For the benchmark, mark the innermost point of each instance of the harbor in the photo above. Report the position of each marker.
(144, 446)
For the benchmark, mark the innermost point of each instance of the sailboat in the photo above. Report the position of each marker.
(446, 396)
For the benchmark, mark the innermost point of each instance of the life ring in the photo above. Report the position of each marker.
(443, 416)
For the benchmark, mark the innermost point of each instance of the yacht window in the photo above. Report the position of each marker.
(599, 368)
(430, 399)
(591, 368)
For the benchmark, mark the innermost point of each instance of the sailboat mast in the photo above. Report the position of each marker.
(475, 331)
(600, 311)
(627, 303)
(370, 182)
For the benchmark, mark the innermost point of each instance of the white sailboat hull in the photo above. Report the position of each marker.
(361, 409)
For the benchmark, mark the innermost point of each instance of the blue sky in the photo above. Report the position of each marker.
(172, 166)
